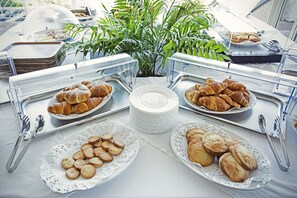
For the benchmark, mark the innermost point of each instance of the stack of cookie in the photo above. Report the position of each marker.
(234, 159)
(93, 154)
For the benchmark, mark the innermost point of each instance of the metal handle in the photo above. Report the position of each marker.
(262, 125)
(13, 164)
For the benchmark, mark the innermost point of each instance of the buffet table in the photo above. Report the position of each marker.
(156, 171)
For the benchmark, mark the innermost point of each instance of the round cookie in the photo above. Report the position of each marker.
(96, 162)
(107, 137)
(94, 139)
(78, 155)
(114, 150)
(67, 163)
(72, 173)
(198, 154)
(87, 171)
(79, 163)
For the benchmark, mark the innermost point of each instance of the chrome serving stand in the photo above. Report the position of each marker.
(275, 93)
(30, 93)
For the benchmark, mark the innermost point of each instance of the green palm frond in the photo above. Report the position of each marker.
(150, 31)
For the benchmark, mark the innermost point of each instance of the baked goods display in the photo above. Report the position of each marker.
(244, 37)
(219, 96)
(92, 155)
(235, 160)
(79, 98)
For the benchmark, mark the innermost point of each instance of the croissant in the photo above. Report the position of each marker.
(74, 94)
(234, 85)
(193, 96)
(100, 90)
(239, 97)
(209, 80)
(212, 88)
(91, 103)
(63, 108)
(229, 100)
(214, 103)
(246, 95)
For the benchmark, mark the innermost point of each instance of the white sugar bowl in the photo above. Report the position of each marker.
(153, 108)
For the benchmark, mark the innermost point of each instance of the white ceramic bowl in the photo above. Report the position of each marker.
(153, 108)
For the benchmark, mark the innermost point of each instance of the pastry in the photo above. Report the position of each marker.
(244, 157)
(214, 103)
(72, 173)
(214, 144)
(234, 85)
(232, 169)
(193, 96)
(238, 97)
(100, 90)
(195, 133)
(83, 107)
(212, 88)
(88, 171)
(67, 163)
(62, 108)
(229, 100)
(198, 154)
(76, 94)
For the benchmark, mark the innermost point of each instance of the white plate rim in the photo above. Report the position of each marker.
(233, 110)
(195, 169)
(172, 97)
(115, 173)
(75, 116)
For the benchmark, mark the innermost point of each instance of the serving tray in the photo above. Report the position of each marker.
(268, 105)
(35, 105)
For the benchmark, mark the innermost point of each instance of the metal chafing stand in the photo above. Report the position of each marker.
(30, 93)
(276, 93)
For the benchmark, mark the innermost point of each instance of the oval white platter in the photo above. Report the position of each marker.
(74, 116)
(233, 110)
(257, 178)
(53, 173)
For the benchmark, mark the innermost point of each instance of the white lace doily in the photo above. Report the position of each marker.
(257, 178)
(53, 174)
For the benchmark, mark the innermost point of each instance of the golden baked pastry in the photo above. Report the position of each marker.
(63, 108)
(198, 154)
(244, 157)
(83, 107)
(232, 169)
(74, 94)
(214, 103)
(195, 133)
(214, 144)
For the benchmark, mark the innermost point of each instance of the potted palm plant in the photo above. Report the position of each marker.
(150, 31)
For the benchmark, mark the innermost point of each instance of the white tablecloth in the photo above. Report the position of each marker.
(156, 171)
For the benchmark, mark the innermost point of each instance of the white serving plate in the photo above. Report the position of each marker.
(257, 178)
(53, 174)
(233, 110)
(75, 116)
